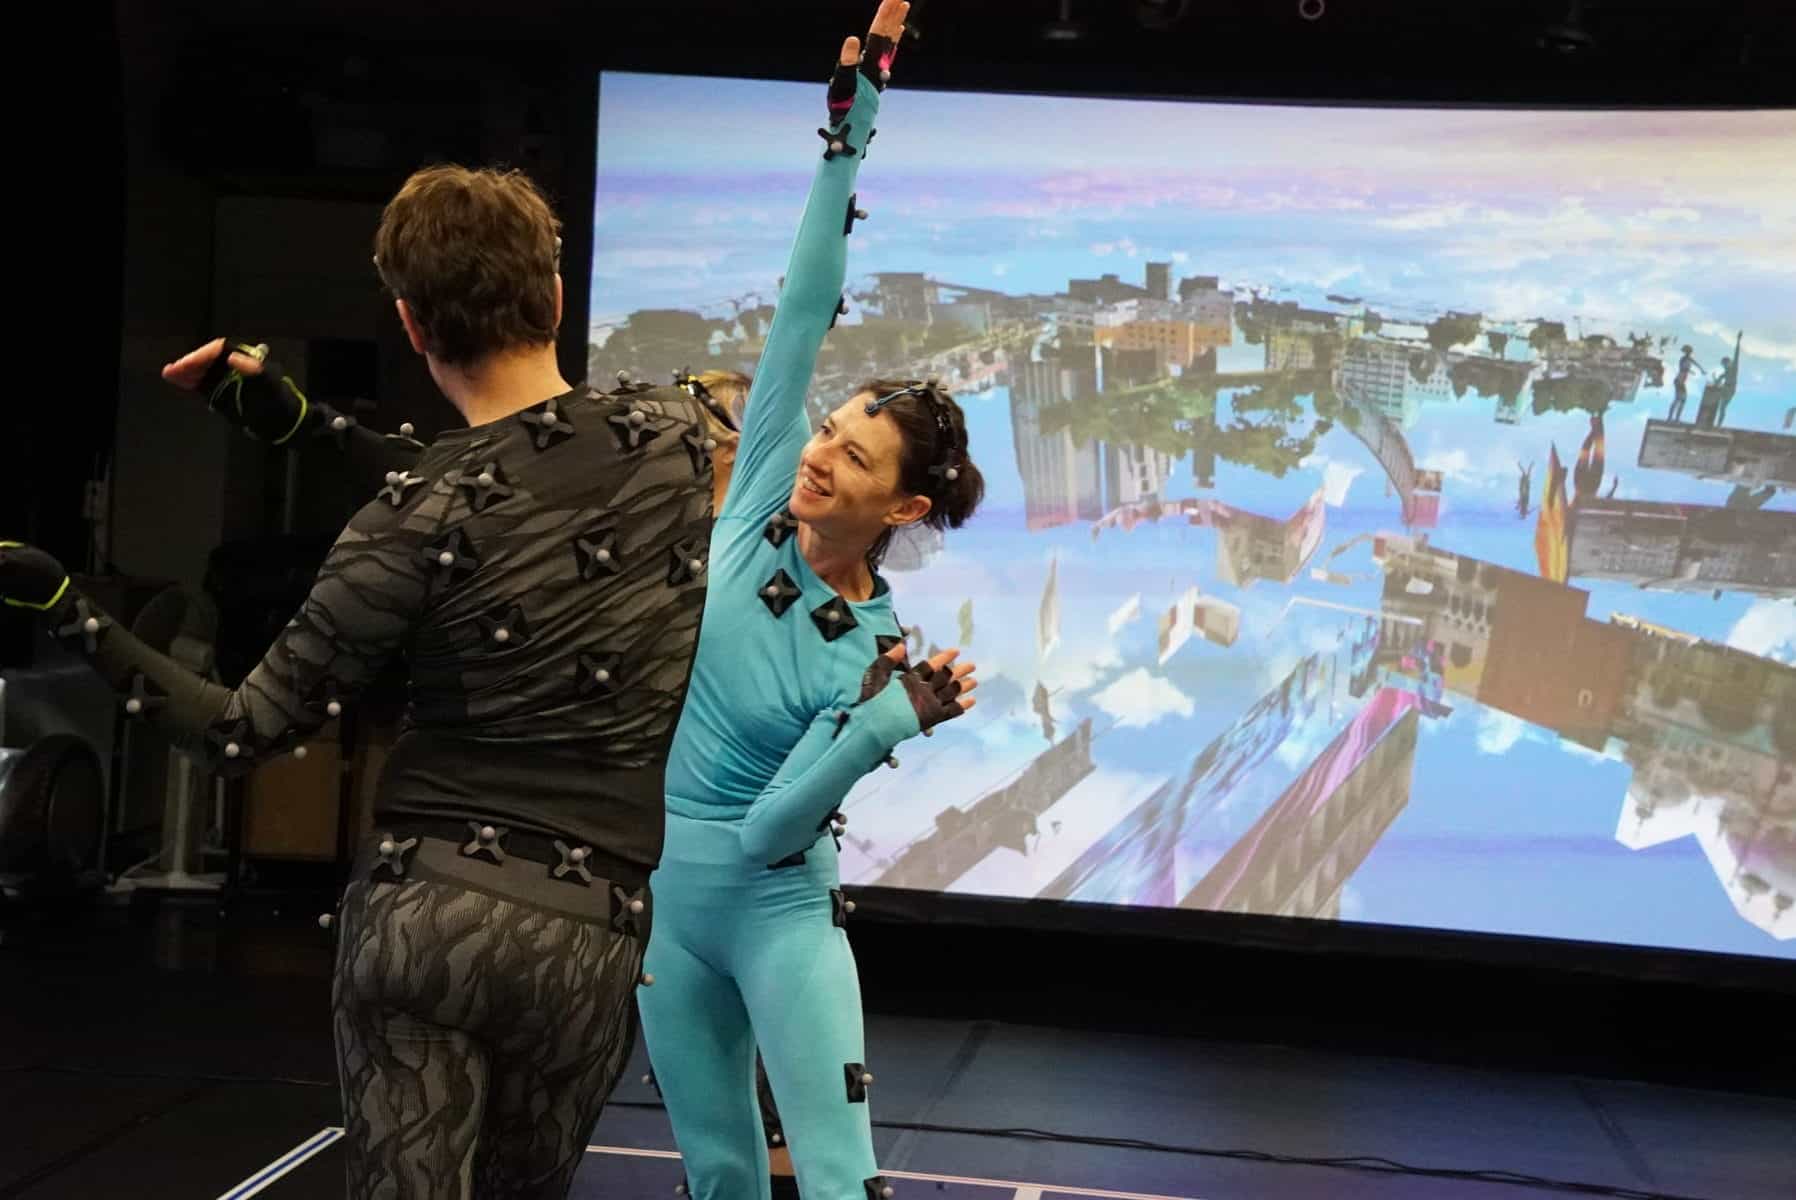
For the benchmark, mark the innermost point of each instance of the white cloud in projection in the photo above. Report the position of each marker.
(1139, 699)
(1769, 629)
(1499, 731)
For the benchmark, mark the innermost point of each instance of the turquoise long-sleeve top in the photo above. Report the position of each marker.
(774, 731)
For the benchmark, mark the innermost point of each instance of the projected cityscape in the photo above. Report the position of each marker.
(1389, 513)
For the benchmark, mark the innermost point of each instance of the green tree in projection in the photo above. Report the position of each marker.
(1571, 393)
(875, 346)
(1161, 415)
(1251, 319)
(1546, 335)
(1454, 329)
(1179, 416)
(655, 342)
(1266, 446)
(1490, 377)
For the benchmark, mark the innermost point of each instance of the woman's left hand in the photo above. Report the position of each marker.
(876, 64)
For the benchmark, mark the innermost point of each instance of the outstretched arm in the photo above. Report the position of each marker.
(358, 614)
(775, 427)
(244, 386)
(842, 745)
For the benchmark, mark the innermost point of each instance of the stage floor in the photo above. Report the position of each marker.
(207, 1073)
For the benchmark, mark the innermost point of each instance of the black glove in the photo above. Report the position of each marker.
(877, 54)
(932, 693)
(930, 690)
(30, 578)
(268, 406)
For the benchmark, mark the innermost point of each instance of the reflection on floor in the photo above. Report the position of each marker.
(118, 1079)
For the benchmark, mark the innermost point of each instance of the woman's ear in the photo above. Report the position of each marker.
(908, 511)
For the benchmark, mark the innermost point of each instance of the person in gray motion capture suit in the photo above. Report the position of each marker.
(542, 573)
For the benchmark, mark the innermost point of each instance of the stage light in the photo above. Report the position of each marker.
(1568, 36)
(1160, 14)
(1312, 10)
(1064, 28)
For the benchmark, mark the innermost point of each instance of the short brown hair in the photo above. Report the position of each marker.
(474, 254)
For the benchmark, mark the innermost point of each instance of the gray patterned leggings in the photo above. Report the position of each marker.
(479, 1031)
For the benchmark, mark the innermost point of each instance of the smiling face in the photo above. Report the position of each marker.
(848, 475)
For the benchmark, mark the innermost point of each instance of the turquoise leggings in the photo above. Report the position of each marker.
(745, 955)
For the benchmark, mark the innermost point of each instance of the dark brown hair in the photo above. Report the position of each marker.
(474, 255)
(928, 449)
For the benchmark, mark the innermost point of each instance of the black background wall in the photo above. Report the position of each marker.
(223, 173)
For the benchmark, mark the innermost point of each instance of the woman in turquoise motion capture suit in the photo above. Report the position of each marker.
(799, 689)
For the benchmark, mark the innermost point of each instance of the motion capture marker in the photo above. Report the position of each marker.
(86, 623)
(486, 488)
(841, 310)
(776, 1139)
(848, 906)
(878, 1188)
(300, 752)
(839, 908)
(391, 855)
(779, 593)
(686, 562)
(504, 626)
(326, 920)
(398, 484)
(548, 424)
(632, 429)
(698, 449)
(780, 526)
(407, 429)
(854, 214)
(229, 739)
(836, 141)
(453, 556)
(334, 708)
(623, 378)
(856, 1077)
(833, 618)
(892, 761)
(488, 841)
(143, 697)
(596, 554)
(648, 980)
(597, 673)
(340, 423)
